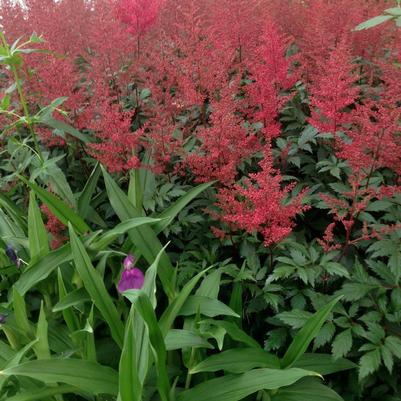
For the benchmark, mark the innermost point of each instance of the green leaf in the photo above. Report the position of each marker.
(87, 376)
(178, 339)
(142, 237)
(394, 345)
(307, 389)
(171, 212)
(62, 126)
(235, 332)
(369, 363)
(370, 23)
(395, 11)
(130, 384)
(96, 288)
(238, 360)
(144, 306)
(111, 235)
(43, 393)
(323, 364)
(60, 209)
(42, 347)
(342, 344)
(295, 318)
(172, 311)
(236, 387)
(306, 335)
(42, 269)
(38, 240)
(75, 297)
(206, 306)
(88, 191)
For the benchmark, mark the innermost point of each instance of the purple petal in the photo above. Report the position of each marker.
(128, 262)
(131, 279)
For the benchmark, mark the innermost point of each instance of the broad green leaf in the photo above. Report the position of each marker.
(307, 389)
(323, 364)
(370, 23)
(206, 306)
(37, 234)
(210, 285)
(14, 211)
(342, 344)
(87, 376)
(75, 297)
(171, 212)
(42, 346)
(111, 235)
(96, 288)
(172, 311)
(369, 363)
(15, 360)
(88, 191)
(238, 360)
(64, 305)
(59, 208)
(306, 335)
(20, 313)
(130, 386)
(178, 339)
(396, 11)
(235, 332)
(142, 237)
(237, 387)
(43, 393)
(62, 126)
(144, 306)
(42, 268)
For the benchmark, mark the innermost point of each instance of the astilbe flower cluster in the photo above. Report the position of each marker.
(272, 79)
(54, 227)
(225, 144)
(258, 205)
(332, 89)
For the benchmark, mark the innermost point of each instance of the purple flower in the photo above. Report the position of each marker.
(129, 262)
(12, 255)
(3, 318)
(132, 278)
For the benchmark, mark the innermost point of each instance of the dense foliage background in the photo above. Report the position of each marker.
(260, 139)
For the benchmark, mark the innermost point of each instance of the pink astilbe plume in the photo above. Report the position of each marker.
(332, 90)
(224, 144)
(139, 15)
(258, 206)
(375, 139)
(272, 78)
(119, 146)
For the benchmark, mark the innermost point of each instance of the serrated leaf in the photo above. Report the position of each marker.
(369, 363)
(342, 344)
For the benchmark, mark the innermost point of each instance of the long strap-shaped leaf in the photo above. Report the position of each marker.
(143, 237)
(88, 376)
(130, 386)
(43, 268)
(59, 208)
(96, 288)
(237, 387)
(305, 336)
(144, 306)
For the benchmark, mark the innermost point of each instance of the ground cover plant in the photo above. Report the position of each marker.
(200, 200)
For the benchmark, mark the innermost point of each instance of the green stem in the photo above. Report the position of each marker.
(26, 112)
(190, 364)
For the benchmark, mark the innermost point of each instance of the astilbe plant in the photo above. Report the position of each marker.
(259, 205)
(332, 90)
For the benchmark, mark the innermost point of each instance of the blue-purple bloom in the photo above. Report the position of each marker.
(132, 278)
(3, 318)
(12, 255)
